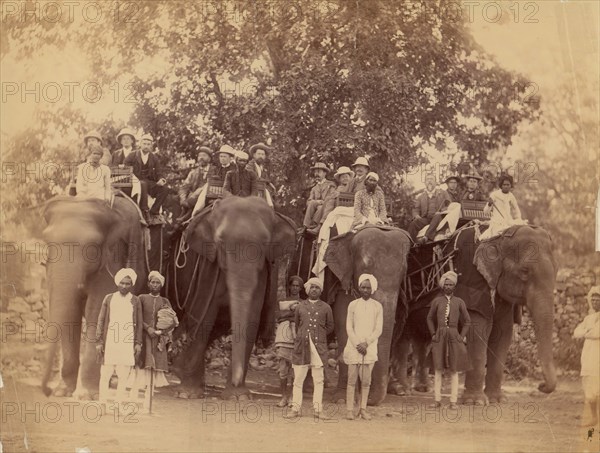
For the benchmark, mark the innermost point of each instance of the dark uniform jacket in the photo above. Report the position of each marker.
(316, 320)
(454, 196)
(151, 171)
(249, 177)
(476, 195)
(229, 175)
(447, 347)
(441, 199)
(118, 156)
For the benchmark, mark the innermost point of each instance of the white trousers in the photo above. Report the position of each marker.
(300, 372)
(437, 386)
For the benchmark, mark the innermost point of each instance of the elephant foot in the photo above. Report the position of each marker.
(188, 393)
(546, 388)
(231, 393)
(62, 390)
(90, 395)
(496, 398)
(474, 399)
(422, 388)
(398, 389)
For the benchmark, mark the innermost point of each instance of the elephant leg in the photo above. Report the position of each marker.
(400, 384)
(340, 313)
(420, 365)
(477, 339)
(498, 344)
(190, 366)
(90, 370)
(70, 339)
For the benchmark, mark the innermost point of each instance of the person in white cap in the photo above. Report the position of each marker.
(196, 179)
(322, 189)
(147, 168)
(126, 138)
(119, 333)
(313, 321)
(589, 329)
(361, 167)
(446, 315)
(364, 326)
(343, 176)
(369, 203)
(227, 170)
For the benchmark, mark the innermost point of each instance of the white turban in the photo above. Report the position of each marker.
(313, 281)
(452, 276)
(157, 274)
(125, 272)
(373, 175)
(371, 279)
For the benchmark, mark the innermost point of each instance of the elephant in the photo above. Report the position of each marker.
(227, 267)
(381, 252)
(87, 242)
(497, 277)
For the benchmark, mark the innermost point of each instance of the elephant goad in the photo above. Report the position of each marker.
(381, 252)
(519, 269)
(227, 279)
(87, 243)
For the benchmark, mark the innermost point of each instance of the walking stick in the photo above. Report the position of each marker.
(151, 389)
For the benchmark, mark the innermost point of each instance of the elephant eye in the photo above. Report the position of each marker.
(524, 273)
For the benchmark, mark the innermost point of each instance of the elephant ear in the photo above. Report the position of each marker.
(338, 258)
(200, 235)
(283, 238)
(488, 261)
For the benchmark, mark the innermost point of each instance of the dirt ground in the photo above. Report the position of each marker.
(529, 422)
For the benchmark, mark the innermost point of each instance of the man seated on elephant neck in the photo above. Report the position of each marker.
(369, 203)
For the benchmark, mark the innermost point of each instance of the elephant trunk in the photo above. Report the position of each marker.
(65, 282)
(542, 310)
(242, 282)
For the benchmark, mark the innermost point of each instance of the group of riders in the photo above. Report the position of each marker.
(242, 174)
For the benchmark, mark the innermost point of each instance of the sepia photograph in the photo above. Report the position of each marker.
(299, 226)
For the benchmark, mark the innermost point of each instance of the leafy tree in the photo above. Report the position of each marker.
(319, 81)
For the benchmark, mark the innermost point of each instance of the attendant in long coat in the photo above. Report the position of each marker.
(154, 347)
(313, 321)
(446, 314)
(119, 334)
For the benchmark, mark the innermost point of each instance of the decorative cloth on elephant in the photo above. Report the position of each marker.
(313, 281)
(125, 272)
(450, 275)
(158, 275)
(371, 278)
